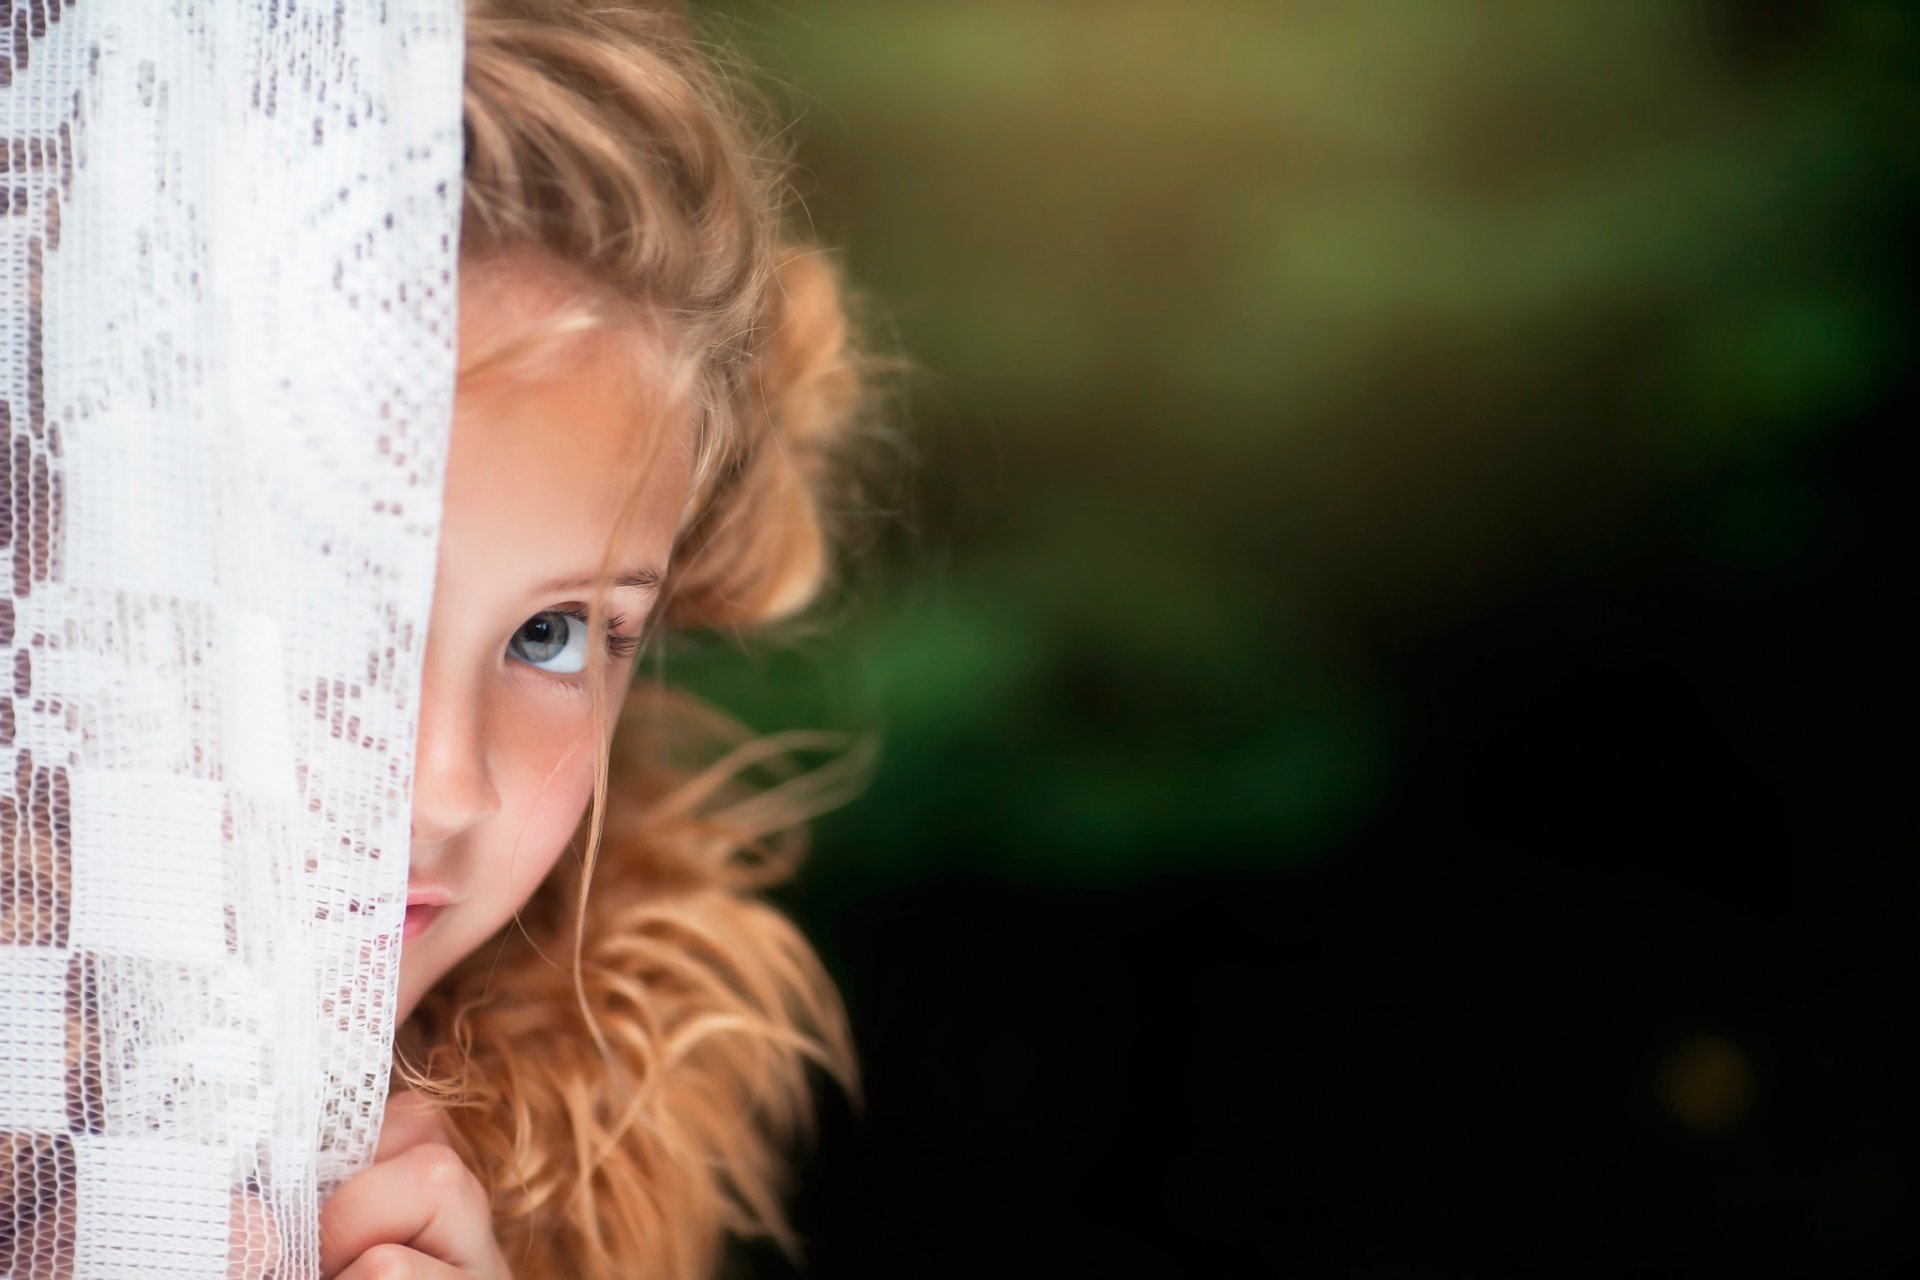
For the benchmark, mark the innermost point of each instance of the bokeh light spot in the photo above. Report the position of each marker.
(1708, 1084)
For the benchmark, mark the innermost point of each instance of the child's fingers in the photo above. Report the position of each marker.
(397, 1262)
(424, 1199)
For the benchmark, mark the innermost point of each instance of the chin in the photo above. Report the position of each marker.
(415, 981)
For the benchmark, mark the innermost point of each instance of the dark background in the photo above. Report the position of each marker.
(1394, 660)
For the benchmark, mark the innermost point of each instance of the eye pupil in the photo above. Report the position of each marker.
(542, 637)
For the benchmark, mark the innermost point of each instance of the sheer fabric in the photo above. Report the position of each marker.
(228, 232)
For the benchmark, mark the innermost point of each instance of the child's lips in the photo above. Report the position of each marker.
(419, 916)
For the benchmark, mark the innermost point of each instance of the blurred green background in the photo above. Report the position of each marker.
(1392, 652)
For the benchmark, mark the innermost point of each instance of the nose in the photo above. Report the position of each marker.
(453, 784)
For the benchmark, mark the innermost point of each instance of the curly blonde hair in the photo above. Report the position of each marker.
(625, 1068)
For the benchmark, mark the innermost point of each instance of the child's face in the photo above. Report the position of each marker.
(540, 465)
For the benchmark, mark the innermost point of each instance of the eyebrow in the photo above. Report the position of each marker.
(641, 579)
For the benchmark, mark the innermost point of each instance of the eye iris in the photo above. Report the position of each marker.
(543, 638)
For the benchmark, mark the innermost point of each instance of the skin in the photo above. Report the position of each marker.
(544, 455)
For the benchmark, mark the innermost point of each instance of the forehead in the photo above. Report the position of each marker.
(523, 311)
(556, 423)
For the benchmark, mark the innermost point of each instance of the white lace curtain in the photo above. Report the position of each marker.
(227, 253)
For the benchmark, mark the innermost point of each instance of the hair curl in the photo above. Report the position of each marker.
(629, 1110)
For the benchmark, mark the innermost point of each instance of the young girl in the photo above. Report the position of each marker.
(605, 1037)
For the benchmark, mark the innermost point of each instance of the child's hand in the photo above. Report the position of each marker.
(415, 1212)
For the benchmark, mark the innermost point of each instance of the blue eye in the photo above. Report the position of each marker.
(552, 641)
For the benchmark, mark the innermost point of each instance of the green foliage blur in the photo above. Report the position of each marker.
(1248, 339)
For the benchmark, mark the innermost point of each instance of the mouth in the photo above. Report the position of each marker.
(422, 909)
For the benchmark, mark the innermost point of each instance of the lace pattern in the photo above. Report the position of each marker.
(227, 261)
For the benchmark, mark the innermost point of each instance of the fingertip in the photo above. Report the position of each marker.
(387, 1262)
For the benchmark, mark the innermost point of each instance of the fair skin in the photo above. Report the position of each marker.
(543, 459)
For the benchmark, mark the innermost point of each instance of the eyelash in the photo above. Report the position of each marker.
(617, 646)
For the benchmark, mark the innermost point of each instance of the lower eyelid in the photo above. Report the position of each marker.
(536, 679)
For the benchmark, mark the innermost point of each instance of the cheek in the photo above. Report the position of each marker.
(547, 779)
